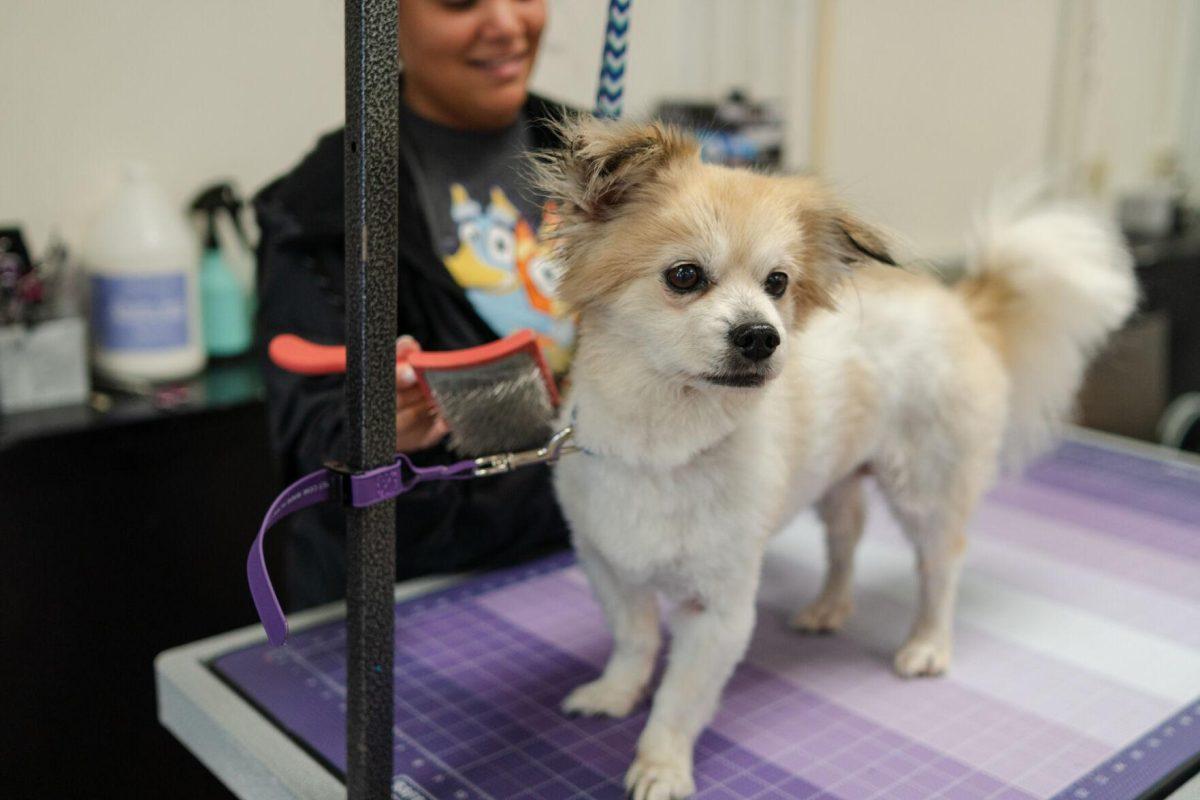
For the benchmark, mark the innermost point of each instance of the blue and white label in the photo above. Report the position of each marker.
(140, 312)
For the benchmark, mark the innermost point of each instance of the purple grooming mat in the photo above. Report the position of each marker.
(1109, 537)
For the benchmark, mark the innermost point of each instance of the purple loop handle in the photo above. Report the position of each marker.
(365, 489)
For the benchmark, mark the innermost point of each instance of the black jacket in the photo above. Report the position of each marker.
(446, 526)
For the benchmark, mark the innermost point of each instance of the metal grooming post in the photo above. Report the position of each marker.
(371, 153)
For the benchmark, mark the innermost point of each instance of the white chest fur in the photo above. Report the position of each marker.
(668, 500)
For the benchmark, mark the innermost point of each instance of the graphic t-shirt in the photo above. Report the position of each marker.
(487, 224)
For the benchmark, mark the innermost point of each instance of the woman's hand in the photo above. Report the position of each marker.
(418, 425)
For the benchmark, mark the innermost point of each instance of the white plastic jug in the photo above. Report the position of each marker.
(141, 261)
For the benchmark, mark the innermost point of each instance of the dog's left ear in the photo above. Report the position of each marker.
(602, 162)
(853, 240)
(832, 233)
(834, 241)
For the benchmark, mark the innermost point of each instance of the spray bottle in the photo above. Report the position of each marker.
(225, 304)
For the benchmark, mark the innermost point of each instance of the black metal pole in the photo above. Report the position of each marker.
(371, 153)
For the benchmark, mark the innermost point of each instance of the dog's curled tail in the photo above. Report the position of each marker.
(1047, 285)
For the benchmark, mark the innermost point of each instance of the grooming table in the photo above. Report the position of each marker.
(1076, 672)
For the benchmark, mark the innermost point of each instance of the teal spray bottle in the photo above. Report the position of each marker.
(224, 304)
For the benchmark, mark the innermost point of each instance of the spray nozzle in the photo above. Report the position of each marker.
(214, 199)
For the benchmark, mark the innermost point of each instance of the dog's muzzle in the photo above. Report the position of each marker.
(755, 341)
(746, 363)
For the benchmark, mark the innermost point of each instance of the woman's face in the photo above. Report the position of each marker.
(467, 62)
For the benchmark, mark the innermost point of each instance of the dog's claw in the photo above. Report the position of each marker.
(600, 698)
(823, 616)
(658, 780)
(925, 656)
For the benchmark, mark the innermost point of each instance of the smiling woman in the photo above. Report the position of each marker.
(467, 62)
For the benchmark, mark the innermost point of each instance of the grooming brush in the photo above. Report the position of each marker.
(496, 398)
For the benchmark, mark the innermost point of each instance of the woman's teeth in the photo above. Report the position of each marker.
(508, 66)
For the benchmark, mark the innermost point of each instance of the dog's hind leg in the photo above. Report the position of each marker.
(939, 564)
(936, 524)
(842, 511)
(632, 614)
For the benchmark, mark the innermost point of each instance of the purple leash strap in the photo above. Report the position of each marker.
(362, 489)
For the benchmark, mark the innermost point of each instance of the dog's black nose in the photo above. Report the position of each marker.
(756, 340)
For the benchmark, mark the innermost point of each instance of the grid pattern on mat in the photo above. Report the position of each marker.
(481, 667)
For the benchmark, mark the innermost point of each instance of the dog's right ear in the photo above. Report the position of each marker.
(601, 162)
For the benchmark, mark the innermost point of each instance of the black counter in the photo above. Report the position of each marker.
(122, 532)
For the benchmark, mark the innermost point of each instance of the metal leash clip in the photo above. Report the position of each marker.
(506, 462)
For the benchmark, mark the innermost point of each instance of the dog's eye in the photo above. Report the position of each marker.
(685, 277)
(776, 284)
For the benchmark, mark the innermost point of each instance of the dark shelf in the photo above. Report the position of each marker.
(224, 384)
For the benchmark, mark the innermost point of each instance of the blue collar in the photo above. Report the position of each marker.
(575, 428)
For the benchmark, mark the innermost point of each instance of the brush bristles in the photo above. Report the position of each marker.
(494, 408)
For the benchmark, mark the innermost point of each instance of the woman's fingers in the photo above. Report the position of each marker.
(417, 428)
(405, 377)
(405, 344)
(418, 425)
(410, 396)
(437, 430)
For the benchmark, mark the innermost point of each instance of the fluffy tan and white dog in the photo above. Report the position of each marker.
(746, 350)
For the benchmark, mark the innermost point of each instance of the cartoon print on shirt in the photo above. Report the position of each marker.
(508, 272)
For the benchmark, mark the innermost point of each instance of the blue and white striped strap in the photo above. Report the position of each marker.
(612, 65)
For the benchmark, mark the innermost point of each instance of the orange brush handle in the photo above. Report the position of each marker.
(297, 354)
(290, 352)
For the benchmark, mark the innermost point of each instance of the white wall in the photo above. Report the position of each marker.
(1188, 70)
(1134, 101)
(912, 107)
(928, 100)
(199, 90)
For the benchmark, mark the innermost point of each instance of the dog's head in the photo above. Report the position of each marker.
(700, 270)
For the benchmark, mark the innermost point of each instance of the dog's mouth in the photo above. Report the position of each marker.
(737, 379)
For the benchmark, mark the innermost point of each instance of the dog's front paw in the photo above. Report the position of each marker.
(923, 655)
(823, 615)
(602, 698)
(659, 779)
